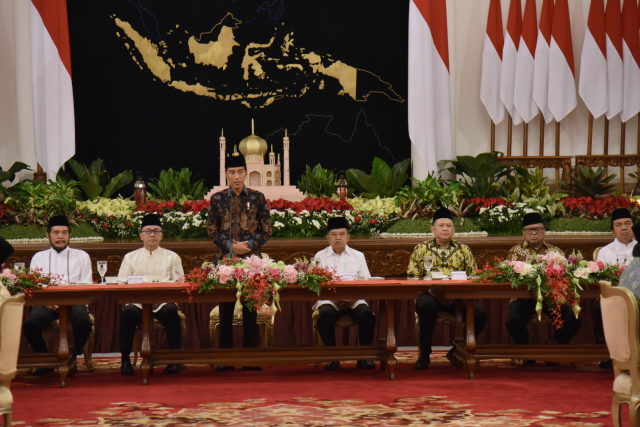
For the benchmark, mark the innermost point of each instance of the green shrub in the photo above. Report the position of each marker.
(15, 231)
(579, 224)
(424, 226)
(177, 186)
(95, 181)
(10, 174)
(585, 182)
(384, 181)
(318, 182)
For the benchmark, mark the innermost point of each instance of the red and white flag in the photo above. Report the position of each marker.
(630, 60)
(54, 126)
(541, 66)
(429, 100)
(613, 26)
(593, 64)
(492, 63)
(525, 64)
(562, 81)
(509, 58)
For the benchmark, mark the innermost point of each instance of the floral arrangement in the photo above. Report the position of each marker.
(6, 213)
(506, 218)
(25, 281)
(104, 207)
(487, 202)
(171, 206)
(256, 279)
(310, 204)
(599, 208)
(552, 279)
(378, 206)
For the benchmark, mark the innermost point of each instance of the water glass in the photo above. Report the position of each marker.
(621, 259)
(428, 263)
(19, 266)
(102, 269)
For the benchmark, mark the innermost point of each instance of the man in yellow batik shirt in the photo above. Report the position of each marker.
(448, 255)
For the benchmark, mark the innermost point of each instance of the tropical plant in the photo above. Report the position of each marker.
(94, 180)
(318, 182)
(586, 182)
(384, 181)
(526, 184)
(10, 174)
(426, 196)
(481, 174)
(177, 186)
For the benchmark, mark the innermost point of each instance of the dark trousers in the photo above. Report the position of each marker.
(427, 308)
(41, 317)
(362, 315)
(598, 328)
(131, 317)
(520, 313)
(249, 326)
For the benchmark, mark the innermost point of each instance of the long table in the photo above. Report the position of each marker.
(384, 291)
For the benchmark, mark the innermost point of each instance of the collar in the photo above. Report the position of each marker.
(617, 242)
(63, 252)
(525, 245)
(452, 244)
(347, 250)
(244, 190)
(156, 251)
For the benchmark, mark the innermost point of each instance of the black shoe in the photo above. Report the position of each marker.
(528, 362)
(365, 364)
(606, 364)
(252, 368)
(172, 369)
(457, 363)
(73, 366)
(38, 372)
(332, 366)
(423, 363)
(223, 368)
(126, 368)
(552, 364)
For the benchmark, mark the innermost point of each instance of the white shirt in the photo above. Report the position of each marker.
(350, 261)
(71, 265)
(608, 253)
(161, 265)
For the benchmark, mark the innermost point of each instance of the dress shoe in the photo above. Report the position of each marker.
(457, 363)
(126, 368)
(332, 366)
(606, 364)
(223, 368)
(252, 368)
(172, 369)
(38, 372)
(528, 362)
(73, 366)
(423, 363)
(365, 364)
(552, 364)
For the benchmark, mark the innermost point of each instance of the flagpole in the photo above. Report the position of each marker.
(541, 135)
(525, 140)
(606, 136)
(638, 143)
(590, 134)
(557, 151)
(623, 130)
(493, 136)
(509, 132)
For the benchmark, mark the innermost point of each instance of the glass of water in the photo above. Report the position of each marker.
(428, 263)
(102, 269)
(19, 266)
(621, 258)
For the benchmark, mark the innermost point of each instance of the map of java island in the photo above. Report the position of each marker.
(214, 64)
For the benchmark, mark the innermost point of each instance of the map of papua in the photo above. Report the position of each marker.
(256, 74)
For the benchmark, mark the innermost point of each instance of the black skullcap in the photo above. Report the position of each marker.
(636, 231)
(337, 223)
(531, 218)
(58, 220)
(442, 213)
(5, 250)
(235, 162)
(620, 213)
(151, 219)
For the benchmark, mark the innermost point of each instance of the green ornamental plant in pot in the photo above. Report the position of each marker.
(94, 179)
(585, 182)
(384, 181)
(318, 182)
(177, 186)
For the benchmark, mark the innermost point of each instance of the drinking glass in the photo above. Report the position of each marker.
(102, 269)
(19, 266)
(428, 263)
(621, 258)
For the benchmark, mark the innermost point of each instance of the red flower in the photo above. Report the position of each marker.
(129, 225)
(373, 221)
(357, 219)
(95, 220)
(105, 225)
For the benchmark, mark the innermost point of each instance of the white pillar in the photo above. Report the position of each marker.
(223, 150)
(286, 158)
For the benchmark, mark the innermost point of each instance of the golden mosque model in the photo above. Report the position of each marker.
(266, 178)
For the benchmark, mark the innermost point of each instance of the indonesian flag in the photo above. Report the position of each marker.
(492, 63)
(53, 118)
(429, 100)
(509, 58)
(593, 65)
(630, 60)
(562, 83)
(523, 88)
(613, 25)
(541, 67)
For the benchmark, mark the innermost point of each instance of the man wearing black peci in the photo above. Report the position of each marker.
(239, 223)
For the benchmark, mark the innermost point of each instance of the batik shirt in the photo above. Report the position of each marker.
(241, 218)
(523, 250)
(455, 257)
(630, 278)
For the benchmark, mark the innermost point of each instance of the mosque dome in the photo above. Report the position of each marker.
(253, 144)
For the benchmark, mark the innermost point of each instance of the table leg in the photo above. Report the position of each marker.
(66, 334)
(471, 338)
(459, 332)
(145, 350)
(382, 330)
(391, 340)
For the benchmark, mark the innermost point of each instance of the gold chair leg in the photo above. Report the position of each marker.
(7, 420)
(88, 351)
(135, 347)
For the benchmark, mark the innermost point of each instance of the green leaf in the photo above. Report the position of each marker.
(117, 182)
(381, 170)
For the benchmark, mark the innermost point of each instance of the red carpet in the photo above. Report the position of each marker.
(303, 395)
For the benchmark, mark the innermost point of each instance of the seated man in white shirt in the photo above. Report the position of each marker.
(347, 261)
(158, 265)
(615, 252)
(71, 266)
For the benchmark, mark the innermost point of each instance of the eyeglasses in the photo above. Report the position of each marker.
(537, 230)
(150, 232)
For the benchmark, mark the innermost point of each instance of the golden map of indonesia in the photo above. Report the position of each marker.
(215, 65)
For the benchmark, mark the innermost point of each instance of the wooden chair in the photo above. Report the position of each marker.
(345, 321)
(89, 345)
(596, 251)
(266, 320)
(444, 318)
(10, 317)
(620, 321)
(156, 326)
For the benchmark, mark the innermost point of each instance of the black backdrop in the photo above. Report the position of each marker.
(130, 118)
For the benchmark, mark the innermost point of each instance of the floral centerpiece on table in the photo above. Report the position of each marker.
(256, 279)
(552, 278)
(16, 281)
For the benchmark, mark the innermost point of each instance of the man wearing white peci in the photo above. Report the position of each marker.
(158, 265)
(351, 264)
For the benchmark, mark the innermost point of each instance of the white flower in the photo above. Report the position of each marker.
(316, 224)
(482, 210)
(297, 219)
(278, 224)
(304, 213)
(529, 210)
(541, 208)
